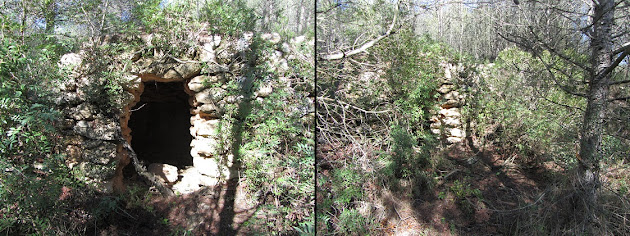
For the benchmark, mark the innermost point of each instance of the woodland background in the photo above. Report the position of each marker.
(546, 111)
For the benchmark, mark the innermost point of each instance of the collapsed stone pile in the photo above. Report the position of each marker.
(95, 134)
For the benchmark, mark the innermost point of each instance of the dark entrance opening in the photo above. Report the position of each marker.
(160, 125)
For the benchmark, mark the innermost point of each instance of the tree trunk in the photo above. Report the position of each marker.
(591, 141)
(50, 13)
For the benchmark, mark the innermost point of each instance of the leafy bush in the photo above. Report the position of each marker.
(530, 117)
(378, 120)
(415, 67)
(353, 223)
(273, 141)
(32, 176)
(406, 161)
(228, 17)
(221, 17)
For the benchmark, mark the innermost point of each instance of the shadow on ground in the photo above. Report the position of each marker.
(477, 193)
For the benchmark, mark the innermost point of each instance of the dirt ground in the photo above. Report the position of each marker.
(491, 189)
(221, 210)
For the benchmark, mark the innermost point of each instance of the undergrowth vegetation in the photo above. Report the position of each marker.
(524, 112)
(374, 140)
(374, 127)
(272, 138)
(31, 174)
(527, 117)
(40, 195)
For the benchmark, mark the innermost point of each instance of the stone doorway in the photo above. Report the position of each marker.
(160, 124)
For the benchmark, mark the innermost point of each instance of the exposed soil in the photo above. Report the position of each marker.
(206, 212)
(220, 210)
(503, 188)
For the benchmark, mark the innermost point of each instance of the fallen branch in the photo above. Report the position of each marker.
(144, 173)
(342, 54)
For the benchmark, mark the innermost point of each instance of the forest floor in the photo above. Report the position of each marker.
(475, 195)
(220, 210)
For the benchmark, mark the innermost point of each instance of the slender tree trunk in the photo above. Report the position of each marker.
(50, 13)
(298, 17)
(590, 155)
(23, 28)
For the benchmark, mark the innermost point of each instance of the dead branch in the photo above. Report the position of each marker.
(342, 54)
(142, 171)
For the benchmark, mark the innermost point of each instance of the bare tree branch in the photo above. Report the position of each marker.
(617, 61)
(342, 54)
(624, 48)
(619, 99)
(329, 9)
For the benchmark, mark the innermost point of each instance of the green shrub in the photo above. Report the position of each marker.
(406, 161)
(373, 146)
(531, 118)
(414, 66)
(32, 176)
(353, 223)
(229, 17)
(273, 142)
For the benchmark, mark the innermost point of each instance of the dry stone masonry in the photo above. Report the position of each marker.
(446, 121)
(95, 134)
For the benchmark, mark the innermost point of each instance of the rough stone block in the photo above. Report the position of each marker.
(71, 59)
(298, 40)
(282, 66)
(456, 132)
(99, 152)
(207, 166)
(99, 129)
(73, 140)
(191, 179)
(67, 85)
(84, 111)
(68, 98)
(451, 122)
(435, 125)
(451, 112)
(166, 172)
(217, 40)
(172, 74)
(216, 68)
(445, 88)
(453, 95)
(210, 95)
(188, 70)
(131, 82)
(454, 139)
(232, 99)
(273, 38)
(204, 146)
(98, 172)
(264, 91)
(208, 181)
(199, 83)
(450, 104)
(205, 127)
(207, 53)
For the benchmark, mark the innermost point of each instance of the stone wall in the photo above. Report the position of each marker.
(95, 135)
(446, 120)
